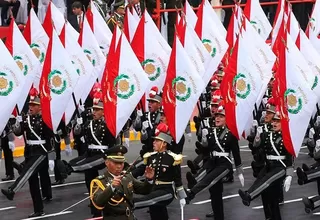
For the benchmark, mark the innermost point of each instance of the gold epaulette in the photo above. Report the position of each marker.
(146, 156)
(177, 158)
(111, 19)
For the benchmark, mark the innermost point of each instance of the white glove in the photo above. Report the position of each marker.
(287, 183)
(318, 120)
(12, 146)
(241, 178)
(51, 165)
(68, 150)
(19, 118)
(135, 133)
(182, 202)
(189, 137)
(311, 133)
(145, 125)
(255, 123)
(81, 108)
(79, 121)
(139, 113)
(205, 132)
(317, 148)
(265, 100)
(263, 114)
(127, 142)
(259, 131)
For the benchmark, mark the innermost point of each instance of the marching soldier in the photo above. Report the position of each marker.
(7, 145)
(220, 143)
(167, 180)
(99, 139)
(278, 167)
(113, 192)
(146, 124)
(38, 150)
(118, 15)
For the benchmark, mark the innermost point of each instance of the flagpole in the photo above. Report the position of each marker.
(75, 104)
(23, 134)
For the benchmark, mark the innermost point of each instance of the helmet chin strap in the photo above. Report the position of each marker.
(161, 146)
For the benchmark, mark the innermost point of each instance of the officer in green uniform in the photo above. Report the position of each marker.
(117, 16)
(113, 192)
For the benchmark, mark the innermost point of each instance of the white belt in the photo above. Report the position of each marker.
(272, 157)
(98, 147)
(36, 142)
(220, 154)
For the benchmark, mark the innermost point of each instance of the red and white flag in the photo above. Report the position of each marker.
(313, 29)
(181, 92)
(214, 17)
(58, 79)
(125, 83)
(242, 84)
(213, 41)
(25, 59)
(278, 20)
(99, 28)
(38, 40)
(153, 58)
(293, 26)
(130, 25)
(90, 47)
(258, 19)
(297, 100)
(83, 67)
(190, 16)
(312, 57)
(11, 84)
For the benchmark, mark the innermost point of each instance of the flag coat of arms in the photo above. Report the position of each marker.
(181, 92)
(83, 67)
(24, 58)
(37, 39)
(242, 85)
(125, 84)
(297, 100)
(57, 81)
(11, 84)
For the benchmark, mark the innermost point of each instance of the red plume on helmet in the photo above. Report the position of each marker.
(153, 92)
(271, 101)
(97, 100)
(33, 93)
(162, 133)
(161, 128)
(95, 88)
(216, 94)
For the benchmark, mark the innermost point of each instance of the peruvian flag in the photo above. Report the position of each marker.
(193, 46)
(91, 48)
(38, 40)
(11, 84)
(83, 67)
(293, 26)
(242, 85)
(181, 91)
(56, 84)
(213, 41)
(152, 57)
(313, 29)
(151, 26)
(135, 14)
(253, 11)
(214, 17)
(99, 28)
(312, 58)
(190, 16)
(278, 20)
(25, 59)
(59, 20)
(130, 25)
(125, 84)
(297, 100)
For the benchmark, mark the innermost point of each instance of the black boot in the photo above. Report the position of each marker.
(190, 196)
(192, 167)
(8, 193)
(8, 177)
(301, 175)
(191, 180)
(36, 214)
(210, 215)
(305, 167)
(245, 196)
(308, 205)
(58, 182)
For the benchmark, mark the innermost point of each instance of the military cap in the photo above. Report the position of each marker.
(276, 115)
(221, 110)
(270, 106)
(34, 97)
(97, 100)
(154, 95)
(119, 3)
(116, 153)
(162, 133)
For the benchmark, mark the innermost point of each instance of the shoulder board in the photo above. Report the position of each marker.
(111, 19)
(147, 155)
(177, 158)
(101, 177)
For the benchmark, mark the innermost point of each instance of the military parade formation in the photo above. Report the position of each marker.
(91, 81)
